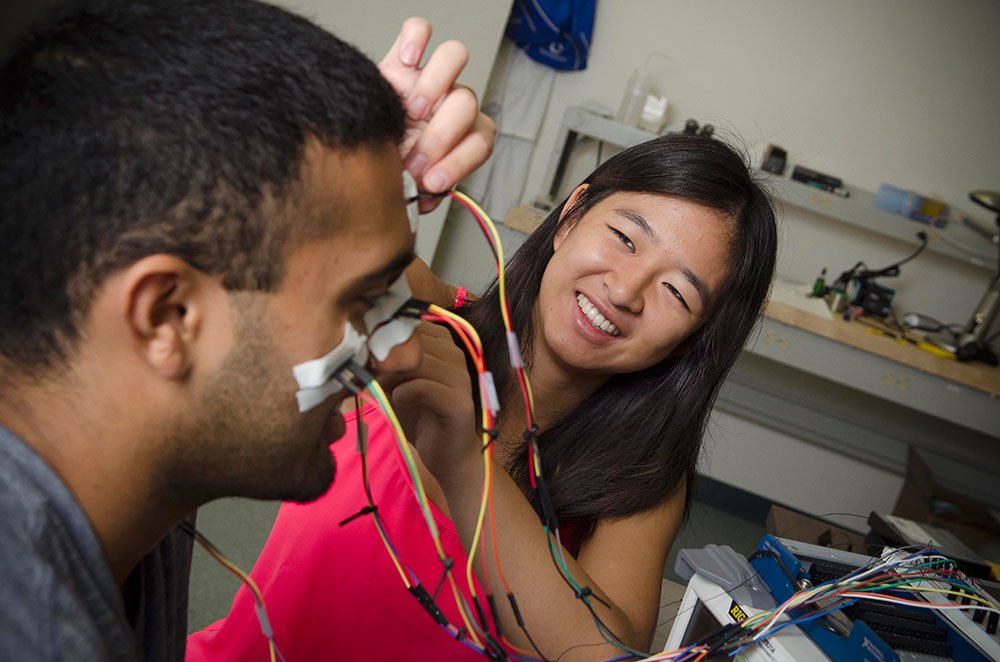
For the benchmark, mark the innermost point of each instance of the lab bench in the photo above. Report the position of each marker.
(835, 384)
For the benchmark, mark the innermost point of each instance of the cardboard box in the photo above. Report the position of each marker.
(786, 523)
(921, 500)
(524, 218)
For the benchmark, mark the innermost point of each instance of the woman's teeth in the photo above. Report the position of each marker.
(597, 319)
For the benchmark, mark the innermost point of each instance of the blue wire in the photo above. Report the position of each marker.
(481, 651)
(798, 621)
(378, 523)
(685, 651)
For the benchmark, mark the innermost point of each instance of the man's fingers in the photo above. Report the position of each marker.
(437, 349)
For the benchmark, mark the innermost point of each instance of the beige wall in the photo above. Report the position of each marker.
(896, 91)
(877, 91)
(372, 27)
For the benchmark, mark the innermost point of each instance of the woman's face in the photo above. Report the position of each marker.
(630, 280)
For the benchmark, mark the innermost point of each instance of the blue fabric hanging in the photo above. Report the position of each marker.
(555, 33)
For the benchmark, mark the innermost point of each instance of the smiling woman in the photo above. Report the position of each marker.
(632, 300)
(627, 283)
(675, 245)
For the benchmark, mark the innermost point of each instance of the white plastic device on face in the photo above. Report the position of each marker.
(412, 204)
(320, 378)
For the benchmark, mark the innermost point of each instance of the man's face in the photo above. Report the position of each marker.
(250, 429)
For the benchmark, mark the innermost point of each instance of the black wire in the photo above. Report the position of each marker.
(761, 553)
(374, 509)
(601, 626)
(577, 646)
(799, 525)
(954, 327)
(531, 641)
(893, 269)
(922, 236)
(426, 195)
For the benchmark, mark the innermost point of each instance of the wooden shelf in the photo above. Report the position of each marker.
(974, 375)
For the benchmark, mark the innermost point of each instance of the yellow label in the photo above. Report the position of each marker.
(737, 613)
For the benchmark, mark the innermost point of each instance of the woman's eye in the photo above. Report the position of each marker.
(625, 240)
(677, 295)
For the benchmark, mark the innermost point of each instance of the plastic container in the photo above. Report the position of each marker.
(912, 205)
(644, 103)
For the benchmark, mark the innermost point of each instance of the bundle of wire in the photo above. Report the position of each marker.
(489, 406)
(924, 571)
(265, 624)
(471, 633)
(537, 480)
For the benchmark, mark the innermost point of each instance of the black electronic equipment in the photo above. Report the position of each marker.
(809, 176)
(896, 624)
(879, 630)
(869, 295)
(775, 159)
(875, 299)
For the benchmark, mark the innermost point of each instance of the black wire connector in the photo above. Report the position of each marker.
(364, 511)
(427, 602)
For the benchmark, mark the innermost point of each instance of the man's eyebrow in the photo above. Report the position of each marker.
(391, 269)
(638, 219)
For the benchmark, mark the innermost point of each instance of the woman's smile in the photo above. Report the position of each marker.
(595, 318)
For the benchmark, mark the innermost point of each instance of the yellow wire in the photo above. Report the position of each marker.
(392, 555)
(501, 280)
(942, 591)
(395, 561)
(458, 319)
(484, 500)
(481, 519)
(422, 500)
(404, 446)
(247, 579)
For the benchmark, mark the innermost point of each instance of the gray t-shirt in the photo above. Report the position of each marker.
(58, 598)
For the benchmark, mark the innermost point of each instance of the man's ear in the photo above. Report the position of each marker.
(567, 222)
(165, 307)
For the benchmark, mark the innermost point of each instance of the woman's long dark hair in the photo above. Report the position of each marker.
(635, 441)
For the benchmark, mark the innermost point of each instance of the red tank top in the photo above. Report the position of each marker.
(332, 591)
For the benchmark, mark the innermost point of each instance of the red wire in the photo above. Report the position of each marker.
(528, 414)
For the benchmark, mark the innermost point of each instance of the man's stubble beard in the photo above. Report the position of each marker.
(245, 437)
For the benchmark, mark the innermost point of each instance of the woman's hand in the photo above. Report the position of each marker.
(434, 404)
(427, 286)
(446, 136)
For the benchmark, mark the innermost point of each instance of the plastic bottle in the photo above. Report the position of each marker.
(632, 100)
(645, 91)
